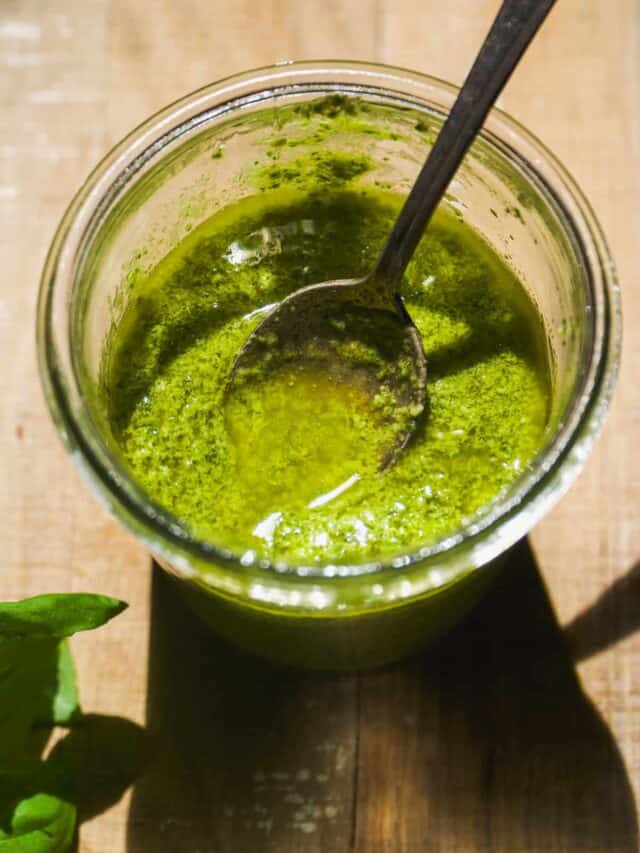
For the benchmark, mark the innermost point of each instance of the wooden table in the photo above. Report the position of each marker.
(522, 733)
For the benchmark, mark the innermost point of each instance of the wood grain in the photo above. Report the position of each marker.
(522, 732)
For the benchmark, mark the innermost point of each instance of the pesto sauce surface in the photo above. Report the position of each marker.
(292, 474)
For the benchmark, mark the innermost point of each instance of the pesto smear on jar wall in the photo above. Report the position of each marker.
(291, 473)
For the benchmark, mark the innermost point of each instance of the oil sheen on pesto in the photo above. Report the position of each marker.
(290, 472)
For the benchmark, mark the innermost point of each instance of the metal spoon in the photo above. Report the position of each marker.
(333, 323)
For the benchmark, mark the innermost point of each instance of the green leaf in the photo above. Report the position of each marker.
(28, 685)
(65, 706)
(40, 823)
(91, 767)
(37, 688)
(47, 616)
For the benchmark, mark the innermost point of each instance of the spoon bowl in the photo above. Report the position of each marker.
(355, 331)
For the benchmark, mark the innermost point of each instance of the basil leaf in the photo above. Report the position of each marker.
(40, 823)
(37, 687)
(65, 707)
(56, 615)
(28, 686)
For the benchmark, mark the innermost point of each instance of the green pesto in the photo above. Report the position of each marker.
(257, 473)
(322, 168)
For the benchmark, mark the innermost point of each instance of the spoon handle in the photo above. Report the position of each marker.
(513, 29)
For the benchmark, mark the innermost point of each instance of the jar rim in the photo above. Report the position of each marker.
(510, 517)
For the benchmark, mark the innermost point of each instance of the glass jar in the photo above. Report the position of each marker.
(189, 161)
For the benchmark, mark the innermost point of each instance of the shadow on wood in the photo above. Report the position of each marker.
(253, 758)
(99, 759)
(612, 617)
(484, 743)
(488, 742)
